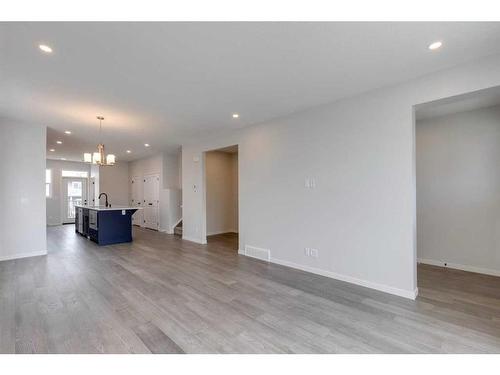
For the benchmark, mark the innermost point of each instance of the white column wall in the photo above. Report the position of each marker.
(22, 190)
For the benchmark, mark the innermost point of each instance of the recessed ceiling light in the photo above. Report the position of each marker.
(235, 115)
(63, 158)
(435, 45)
(67, 132)
(59, 142)
(51, 150)
(146, 144)
(128, 151)
(45, 48)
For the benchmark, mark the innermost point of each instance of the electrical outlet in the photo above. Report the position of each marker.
(310, 183)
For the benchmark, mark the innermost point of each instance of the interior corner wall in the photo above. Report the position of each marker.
(114, 181)
(22, 190)
(361, 216)
(458, 190)
(221, 192)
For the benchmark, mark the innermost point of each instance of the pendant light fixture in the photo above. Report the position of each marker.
(100, 156)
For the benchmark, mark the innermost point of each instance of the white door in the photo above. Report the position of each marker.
(74, 192)
(137, 200)
(151, 201)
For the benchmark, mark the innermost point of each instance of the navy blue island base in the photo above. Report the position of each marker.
(105, 226)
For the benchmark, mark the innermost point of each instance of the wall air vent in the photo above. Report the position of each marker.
(257, 252)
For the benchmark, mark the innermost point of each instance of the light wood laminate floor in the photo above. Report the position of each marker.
(161, 294)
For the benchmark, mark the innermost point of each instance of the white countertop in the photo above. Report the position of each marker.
(112, 208)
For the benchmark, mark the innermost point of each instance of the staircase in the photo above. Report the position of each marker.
(178, 229)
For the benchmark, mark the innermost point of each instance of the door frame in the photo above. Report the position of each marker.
(204, 192)
(64, 196)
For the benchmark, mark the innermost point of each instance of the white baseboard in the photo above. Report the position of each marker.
(196, 240)
(25, 255)
(410, 294)
(462, 267)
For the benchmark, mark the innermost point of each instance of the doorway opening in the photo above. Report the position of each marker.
(222, 196)
(457, 154)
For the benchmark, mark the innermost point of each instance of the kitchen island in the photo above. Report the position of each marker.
(105, 225)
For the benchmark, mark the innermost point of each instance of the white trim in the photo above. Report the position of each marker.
(456, 266)
(368, 284)
(163, 230)
(196, 240)
(25, 255)
(173, 226)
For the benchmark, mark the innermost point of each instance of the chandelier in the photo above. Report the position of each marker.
(100, 156)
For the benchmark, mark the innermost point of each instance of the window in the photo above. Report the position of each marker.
(48, 182)
(81, 174)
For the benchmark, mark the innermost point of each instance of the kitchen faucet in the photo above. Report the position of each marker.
(106, 195)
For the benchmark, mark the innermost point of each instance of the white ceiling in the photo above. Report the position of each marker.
(162, 83)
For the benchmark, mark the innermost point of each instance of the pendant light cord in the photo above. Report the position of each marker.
(100, 118)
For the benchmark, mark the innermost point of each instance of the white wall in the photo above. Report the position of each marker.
(114, 181)
(171, 171)
(361, 151)
(54, 202)
(458, 190)
(146, 166)
(222, 192)
(22, 190)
